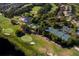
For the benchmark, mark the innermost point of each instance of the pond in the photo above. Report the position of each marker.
(8, 49)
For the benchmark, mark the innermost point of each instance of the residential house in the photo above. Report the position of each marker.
(67, 11)
(66, 29)
(75, 22)
(25, 19)
(60, 11)
(58, 33)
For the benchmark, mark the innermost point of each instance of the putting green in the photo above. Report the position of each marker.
(7, 31)
(26, 38)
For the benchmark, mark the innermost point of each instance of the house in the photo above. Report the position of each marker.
(60, 11)
(25, 19)
(59, 15)
(66, 29)
(75, 22)
(58, 33)
(67, 11)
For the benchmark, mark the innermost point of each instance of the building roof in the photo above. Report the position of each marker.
(58, 33)
(25, 19)
(66, 28)
(76, 22)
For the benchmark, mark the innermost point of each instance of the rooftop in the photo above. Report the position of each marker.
(25, 19)
(58, 33)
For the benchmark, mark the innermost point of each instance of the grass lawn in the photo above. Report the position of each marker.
(54, 7)
(35, 9)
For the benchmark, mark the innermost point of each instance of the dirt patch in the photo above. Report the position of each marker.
(46, 50)
(65, 53)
